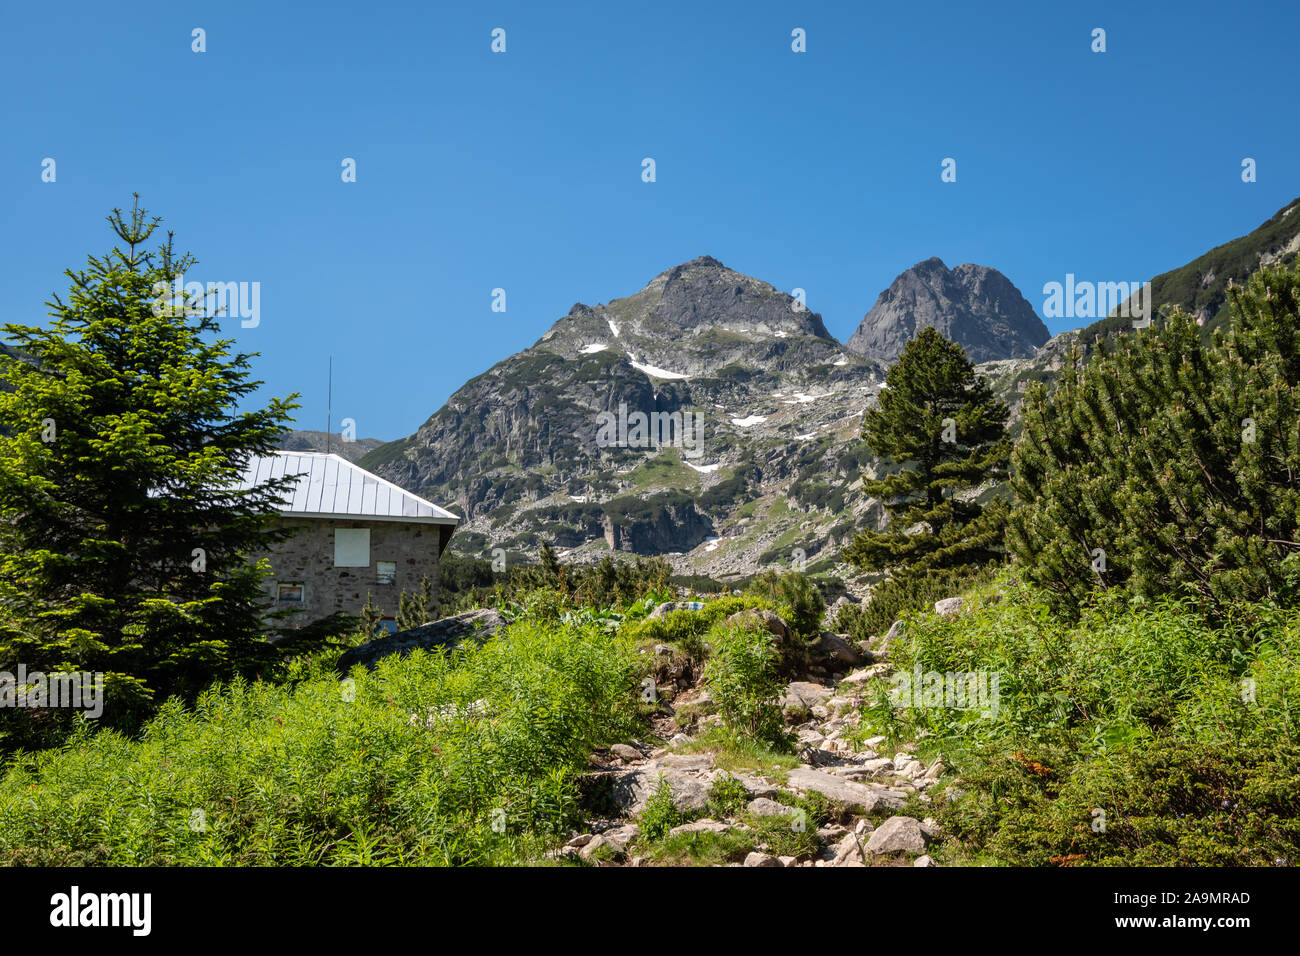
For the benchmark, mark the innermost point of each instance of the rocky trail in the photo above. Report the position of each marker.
(838, 799)
(874, 798)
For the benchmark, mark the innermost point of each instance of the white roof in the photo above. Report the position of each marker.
(333, 487)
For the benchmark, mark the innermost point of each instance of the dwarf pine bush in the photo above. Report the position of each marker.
(467, 757)
(1165, 464)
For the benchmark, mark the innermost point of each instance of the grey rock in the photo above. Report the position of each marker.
(475, 626)
(698, 762)
(898, 835)
(810, 738)
(806, 695)
(624, 752)
(949, 606)
(763, 807)
(662, 609)
(761, 617)
(623, 835)
(596, 842)
(832, 614)
(632, 789)
(861, 797)
(836, 649)
(700, 826)
(848, 852)
(755, 786)
(761, 859)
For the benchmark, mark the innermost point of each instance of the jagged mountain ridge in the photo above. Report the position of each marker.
(515, 449)
(975, 306)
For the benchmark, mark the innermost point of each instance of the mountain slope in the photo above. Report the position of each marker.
(1201, 286)
(517, 450)
(975, 306)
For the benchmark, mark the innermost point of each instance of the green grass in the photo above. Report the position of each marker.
(738, 754)
(700, 849)
(665, 470)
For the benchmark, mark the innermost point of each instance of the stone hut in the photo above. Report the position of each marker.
(355, 534)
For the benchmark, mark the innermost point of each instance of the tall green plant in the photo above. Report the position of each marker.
(743, 675)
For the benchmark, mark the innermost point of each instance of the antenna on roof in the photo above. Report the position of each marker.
(329, 408)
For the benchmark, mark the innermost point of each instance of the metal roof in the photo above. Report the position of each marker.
(333, 487)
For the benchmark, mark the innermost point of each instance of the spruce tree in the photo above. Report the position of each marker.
(124, 543)
(940, 425)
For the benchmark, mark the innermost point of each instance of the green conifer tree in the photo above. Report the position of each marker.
(939, 424)
(124, 543)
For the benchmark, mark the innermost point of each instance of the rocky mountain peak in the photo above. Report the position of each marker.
(975, 306)
(704, 294)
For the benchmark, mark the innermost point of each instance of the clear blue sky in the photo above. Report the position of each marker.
(523, 170)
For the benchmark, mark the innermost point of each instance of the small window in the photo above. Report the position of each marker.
(287, 593)
(385, 572)
(352, 548)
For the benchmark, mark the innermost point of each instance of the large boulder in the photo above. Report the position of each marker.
(688, 777)
(863, 798)
(477, 626)
(632, 790)
(883, 644)
(898, 835)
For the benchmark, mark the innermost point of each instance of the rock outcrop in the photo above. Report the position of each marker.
(975, 306)
(471, 626)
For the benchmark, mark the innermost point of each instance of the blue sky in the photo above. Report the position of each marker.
(522, 170)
